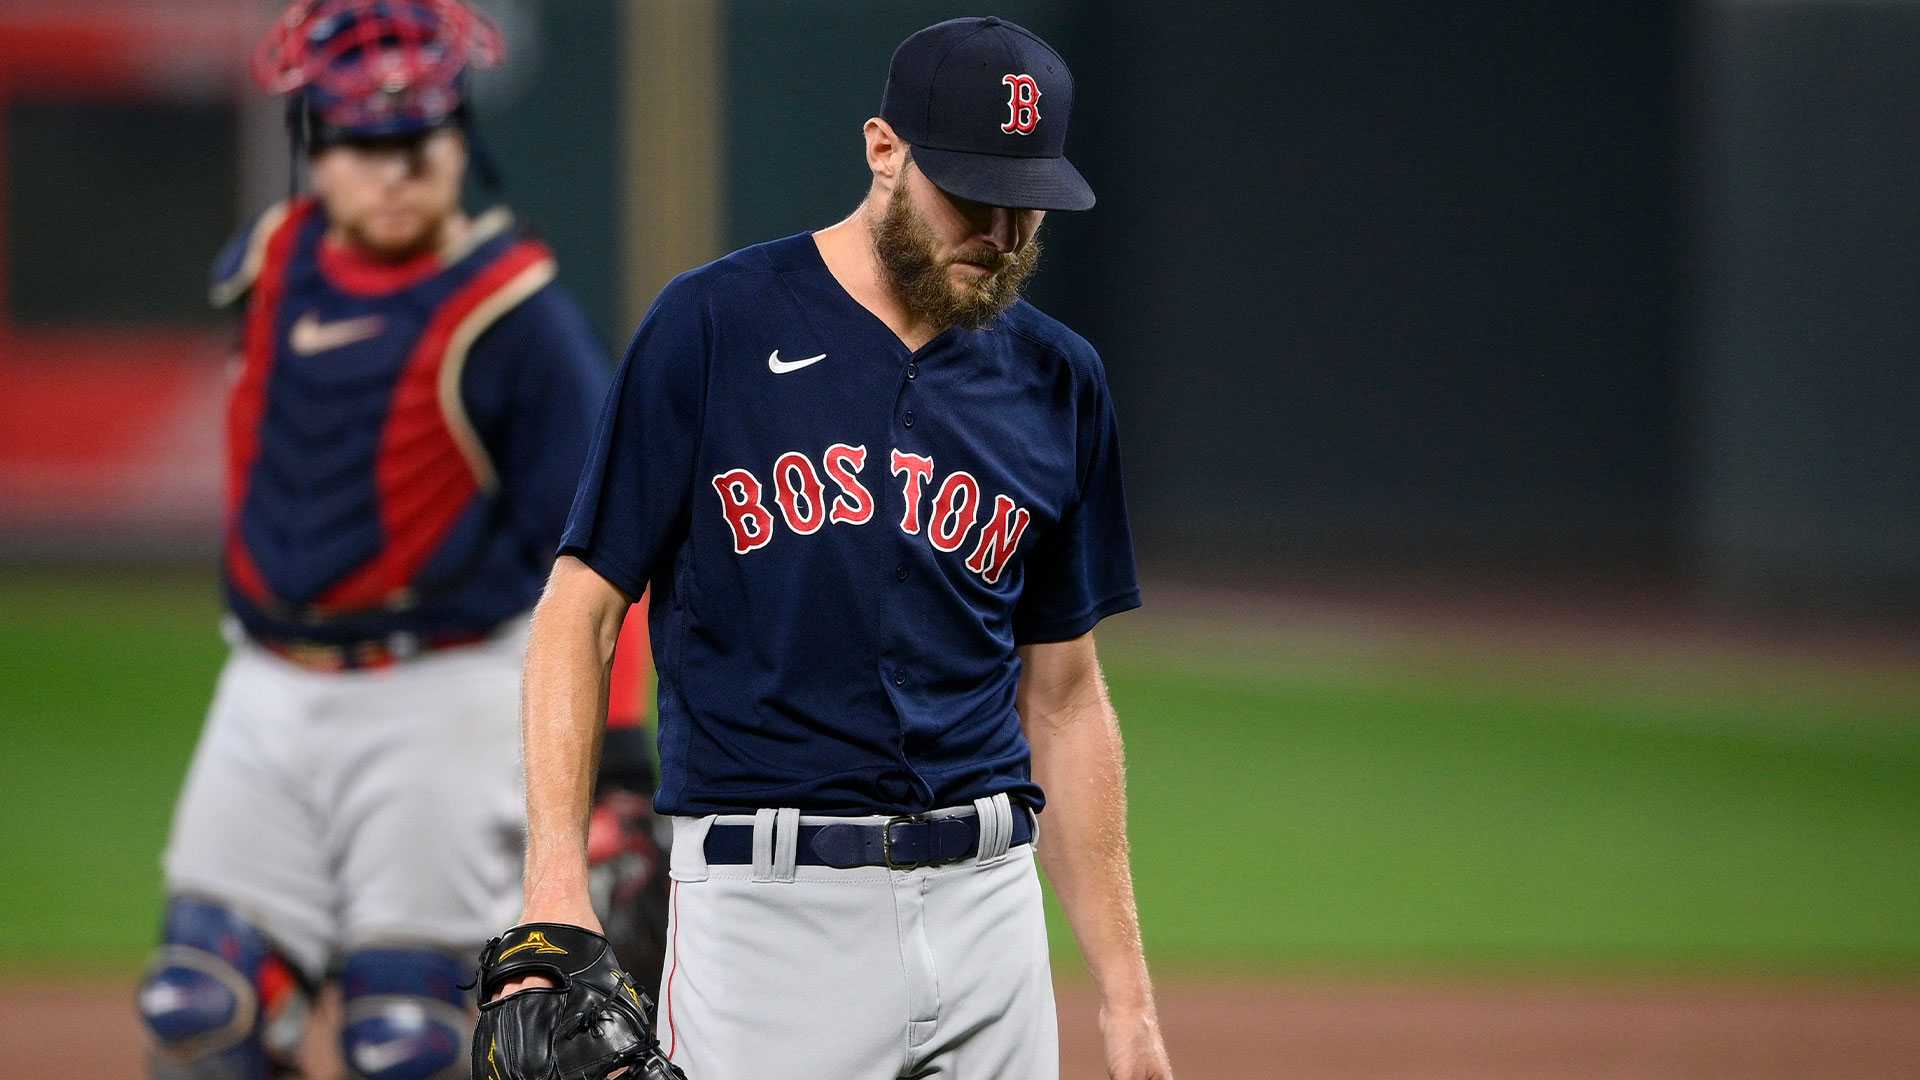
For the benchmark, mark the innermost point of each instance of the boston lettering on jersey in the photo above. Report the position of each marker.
(801, 497)
(846, 541)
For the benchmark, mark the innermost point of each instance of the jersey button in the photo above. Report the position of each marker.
(913, 371)
(900, 572)
(906, 419)
(899, 678)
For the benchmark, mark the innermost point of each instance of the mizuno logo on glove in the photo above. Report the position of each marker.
(537, 941)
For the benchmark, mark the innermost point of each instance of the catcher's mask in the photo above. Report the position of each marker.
(377, 71)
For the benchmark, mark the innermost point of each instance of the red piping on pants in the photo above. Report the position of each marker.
(673, 1033)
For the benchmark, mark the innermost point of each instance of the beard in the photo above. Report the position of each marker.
(908, 253)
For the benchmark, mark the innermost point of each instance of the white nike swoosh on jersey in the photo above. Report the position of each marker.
(373, 1058)
(310, 335)
(781, 367)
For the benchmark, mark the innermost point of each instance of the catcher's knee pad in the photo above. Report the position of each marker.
(220, 1002)
(406, 1016)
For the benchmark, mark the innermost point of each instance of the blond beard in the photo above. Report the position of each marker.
(906, 248)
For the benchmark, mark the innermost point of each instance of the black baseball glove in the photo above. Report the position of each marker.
(591, 1023)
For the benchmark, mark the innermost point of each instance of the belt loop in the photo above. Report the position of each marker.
(763, 819)
(688, 860)
(985, 823)
(995, 818)
(786, 844)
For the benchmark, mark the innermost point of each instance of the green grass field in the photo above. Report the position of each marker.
(1331, 809)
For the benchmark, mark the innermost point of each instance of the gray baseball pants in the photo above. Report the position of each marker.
(783, 972)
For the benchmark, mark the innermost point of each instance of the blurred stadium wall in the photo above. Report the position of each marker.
(1578, 292)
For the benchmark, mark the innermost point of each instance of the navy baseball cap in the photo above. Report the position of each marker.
(985, 105)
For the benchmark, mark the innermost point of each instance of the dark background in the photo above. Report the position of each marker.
(1614, 292)
(1373, 283)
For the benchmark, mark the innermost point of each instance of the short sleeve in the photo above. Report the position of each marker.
(631, 507)
(1084, 571)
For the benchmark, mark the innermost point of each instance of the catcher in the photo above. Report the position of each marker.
(406, 426)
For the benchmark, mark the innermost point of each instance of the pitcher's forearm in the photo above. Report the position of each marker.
(564, 705)
(1084, 850)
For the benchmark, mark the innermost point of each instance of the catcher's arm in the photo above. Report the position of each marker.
(563, 712)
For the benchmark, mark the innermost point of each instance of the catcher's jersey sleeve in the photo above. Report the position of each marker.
(631, 506)
(1085, 570)
(534, 382)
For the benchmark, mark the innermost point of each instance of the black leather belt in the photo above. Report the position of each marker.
(899, 844)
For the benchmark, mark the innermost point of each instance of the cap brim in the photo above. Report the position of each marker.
(1021, 182)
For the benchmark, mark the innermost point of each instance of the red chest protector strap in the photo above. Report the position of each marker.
(264, 273)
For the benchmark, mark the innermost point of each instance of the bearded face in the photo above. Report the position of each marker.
(392, 198)
(964, 283)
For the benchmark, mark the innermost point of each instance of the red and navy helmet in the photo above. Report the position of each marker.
(373, 69)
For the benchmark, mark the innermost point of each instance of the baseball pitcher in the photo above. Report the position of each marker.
(877, 500)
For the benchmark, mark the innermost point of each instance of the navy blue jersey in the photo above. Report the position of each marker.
(403, 440)
(847, 540)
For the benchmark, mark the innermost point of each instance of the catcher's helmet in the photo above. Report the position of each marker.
(374, 69)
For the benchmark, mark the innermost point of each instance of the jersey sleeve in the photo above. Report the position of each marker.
(1084, 570)
(632, 504)
(533, 383)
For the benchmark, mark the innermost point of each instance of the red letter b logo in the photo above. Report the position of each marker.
(1023, 104)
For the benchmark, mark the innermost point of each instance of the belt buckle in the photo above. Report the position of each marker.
(886, 841)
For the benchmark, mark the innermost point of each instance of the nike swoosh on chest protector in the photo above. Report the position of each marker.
(310, 335)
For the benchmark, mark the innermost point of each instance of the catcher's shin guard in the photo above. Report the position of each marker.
(219, 1001)
(406, 1015)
